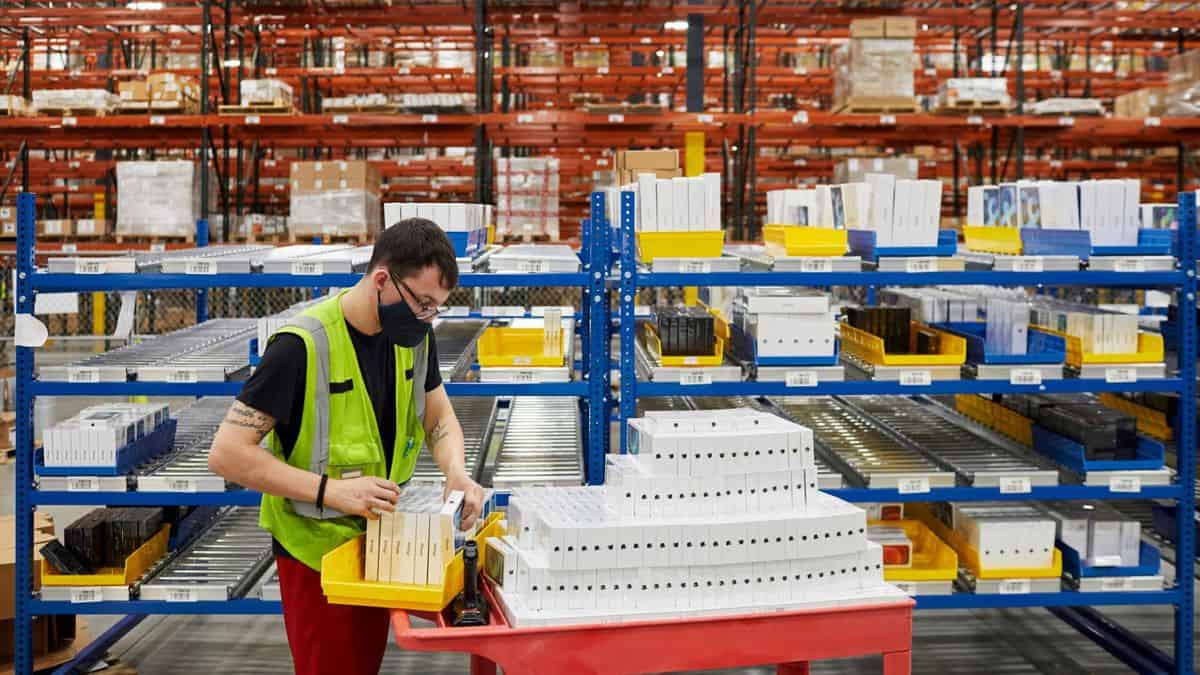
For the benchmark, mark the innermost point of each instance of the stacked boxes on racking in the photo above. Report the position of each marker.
(873, 72)
(166, 92)
(1183, 85)
(159, 199)
(465, 224)
(712, 512)
(335, 198)
(527, 197)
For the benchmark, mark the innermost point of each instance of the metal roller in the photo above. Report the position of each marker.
(456, 340)
(185, 468)
(477, 416)
(221, 564)
(541, 443)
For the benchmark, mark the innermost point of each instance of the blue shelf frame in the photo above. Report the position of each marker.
(1112, 637)
(591, 280)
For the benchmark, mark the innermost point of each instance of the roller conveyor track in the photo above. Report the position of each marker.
(153, 261)
(222, 564)
(979, 457)
(661, 404)
(541, 444)
(477, 415)
(185, 468)
(861, 451)
(456, 340)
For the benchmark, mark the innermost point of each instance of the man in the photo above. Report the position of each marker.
(346, 394)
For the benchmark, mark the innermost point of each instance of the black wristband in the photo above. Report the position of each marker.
(321, 493)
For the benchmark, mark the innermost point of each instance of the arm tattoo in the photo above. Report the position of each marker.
(438, 432)
(241, 415)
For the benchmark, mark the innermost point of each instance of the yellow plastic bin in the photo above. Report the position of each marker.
(720, 331)
(706, 244)
(1150, 350)
(508, 347)
(1151, 422)
(932, 559)
(135, 566)
(869, 347)
(791, 240)
(996, 417)
(343, 584)
(969, 557)
(1004, 240)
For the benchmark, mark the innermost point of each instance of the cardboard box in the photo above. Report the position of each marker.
(91, 227)
(8, 561)
(8, 221)
(55, 228)
(874, 27)
(133, 91)
(647, 159)
(54, 641)
(875, 67)
(351, 175)
(1147, 102)
(901, 27)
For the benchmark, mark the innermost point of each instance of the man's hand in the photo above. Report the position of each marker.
(365, 496)
(472, 496)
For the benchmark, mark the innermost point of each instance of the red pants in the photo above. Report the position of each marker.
(327, 638)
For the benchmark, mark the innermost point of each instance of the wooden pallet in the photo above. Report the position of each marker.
(970, 106)
(73, 112)
(176, 109)
(9, 112)
(256, 110)
(357, 238)
(277, 238)
(873, 105)
(152, 239)
(346, 110)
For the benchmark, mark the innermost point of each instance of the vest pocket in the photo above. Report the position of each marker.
(351, 460)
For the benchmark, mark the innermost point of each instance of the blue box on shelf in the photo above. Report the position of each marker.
(1150, 454)
(1041, 348)
(465, 244)
(1150, 242)
(744, 348)
(862, 243)
(1151, 562)
(129, 457)
(1077, 243)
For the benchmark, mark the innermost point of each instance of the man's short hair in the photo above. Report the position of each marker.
(413, 244)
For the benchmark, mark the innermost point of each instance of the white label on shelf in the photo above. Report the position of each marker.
(915, 378)
(341, 119)
(251, 119)
(645, 41)
(975, 120)
(1116, 584)
(1015, 485)
(816, 265)
(691, 360)
(800, 117)
(429, 119)
(616, 118)
(704, 118)
(696, 267)
(911, 486)
(1066, 121)
(89, 267)
(1014, 587)
(1130, 265)
(69, 121)
(183, 375)
(1027, 376)
(689, 379)
(403, 70)
(69, 248)
(523, 377)
(181, 595)
(272, 71)
(602, 70)
(921, 265)
(200, 267)
(83, 375)
(83, 484)
(522, 360)
(525, 118)
(1056, 74)
(887, 119)
(87, 595)
(531, 266)
(1120, 375)
(594, 40)
(307, 268)
(1125, 484)
(1027, 264)
(668, 70)
(181, 485)
(801, 378)
(157, 120)
(1153, 121)
(800, 161)
(1056, 164)
(457, 310)
(158, 247)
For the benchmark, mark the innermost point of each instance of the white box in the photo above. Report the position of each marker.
(647, 198)
(371, 553)
(712, 200)
(404, 541)
(696, 204)
(883, 193)
(421, 544)
(665, 200)
(679, 203)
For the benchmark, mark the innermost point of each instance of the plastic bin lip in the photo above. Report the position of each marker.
(703, 244)
(870, 347)
(800, 240)
(1054, 350)
(136, 564)
(1151, 563)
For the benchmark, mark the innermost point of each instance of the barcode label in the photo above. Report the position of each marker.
(1153, 122)
(974, 119)
(800, 70)
(668, 70)
(84, 375)
(181, 485)
(157, 120)
(689, 379)
(910, 486)
(69, 121)
(200, 267)
(697, 267)
(183, 376)
(908, 587)
(704, 118)
(86, 595)
(1125, 484)
(1120, 375)
(816, 265)
(69, 248)
(915, 378)
(429, 119)
(1027, 376)
(602, 70)
(181, 595)
(89, 267)
(341, 119)
(616, 119)
(251, 119)
(403, 70)
(887, 119)
(800, 117)
(1028, 265)
(920, 265)
(307, 268)
(801, 378)
(1014, 587)
(158, 247)
(86, 484)
(1130, 265)
(523, 377)
(531, 266)
(1116, 584)
(524, 118)
(691, 360)
(1066, 121)
(1015, 485)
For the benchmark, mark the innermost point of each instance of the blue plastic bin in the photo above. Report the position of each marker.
(1151, 563)
(862, 243)
(1041, 348)
(1150, 455)
(129, 457)
(743, 346)
(1056, 242)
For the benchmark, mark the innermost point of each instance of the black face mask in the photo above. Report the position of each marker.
(400, 325)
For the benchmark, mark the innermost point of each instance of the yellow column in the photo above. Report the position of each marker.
(693, 166)
(99, 309)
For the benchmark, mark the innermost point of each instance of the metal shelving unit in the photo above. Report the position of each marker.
(1069, 605)
(592, 385)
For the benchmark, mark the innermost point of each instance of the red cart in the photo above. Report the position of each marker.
(789, 639)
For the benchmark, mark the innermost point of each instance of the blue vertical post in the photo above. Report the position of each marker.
(1185, 534)
(202, 294)
(23, 630)
(596, 310)
(628, 301)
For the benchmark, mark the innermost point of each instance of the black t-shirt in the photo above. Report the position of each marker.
(277, 388)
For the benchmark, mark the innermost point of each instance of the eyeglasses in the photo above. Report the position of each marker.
(426, 311)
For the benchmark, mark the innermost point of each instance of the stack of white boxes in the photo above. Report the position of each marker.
(66, 101)
(93, 437)
(266, 92)
(1099, 332)
(1007, 327)
(527, 197)
(1101, 535)
(1109, 209)
(450, 216)
(934, 305)
(413, 544)
(158, 198)
(904, 212)
(844, 206)
(785, 322)
(672, 204)
(713, 512)
(1006, 535)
